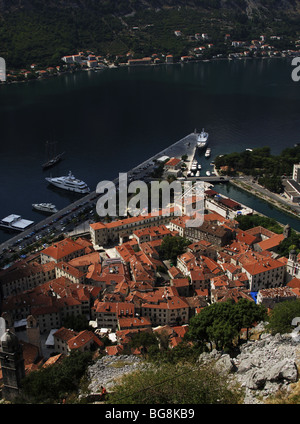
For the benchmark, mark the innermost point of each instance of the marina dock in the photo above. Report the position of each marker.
(185, 146)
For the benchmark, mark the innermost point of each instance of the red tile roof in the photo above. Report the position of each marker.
(294, 283)
(134, 322)
(258, 267)
(272, 242)
(173, 162)
(62, 248)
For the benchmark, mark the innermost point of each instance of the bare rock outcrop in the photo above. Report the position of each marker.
(262, 367)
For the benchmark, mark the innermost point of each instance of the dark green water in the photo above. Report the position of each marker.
(109, 121)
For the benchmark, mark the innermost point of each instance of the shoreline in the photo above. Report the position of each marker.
(248, 189)
(272, 202)
(125, 65)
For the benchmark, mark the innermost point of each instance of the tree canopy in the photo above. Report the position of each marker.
(172, 247)
(250, 221)
(282, 315)
(261, 164)
(221, 323)
(54, 382)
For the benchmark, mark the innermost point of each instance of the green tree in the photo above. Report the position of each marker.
(250, 221)
(172, 247)
(289, 243)
(247, 313)
(281, 317)
(143, 340)
(50, 384)
(77, 323)
(222, 334)
(221, 323)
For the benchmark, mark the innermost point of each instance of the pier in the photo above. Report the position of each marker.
(185, 146)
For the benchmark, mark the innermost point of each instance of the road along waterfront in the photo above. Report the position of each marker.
(183, 146)
(55, 224)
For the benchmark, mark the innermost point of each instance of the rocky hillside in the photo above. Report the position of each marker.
(263, 369)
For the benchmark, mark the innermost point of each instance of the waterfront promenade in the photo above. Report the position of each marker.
(54, 224)
(184, 146)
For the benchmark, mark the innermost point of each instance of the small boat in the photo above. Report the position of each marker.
(199, 166)
(208, 173)
(45, 207)
(208, 152)
(198, 174)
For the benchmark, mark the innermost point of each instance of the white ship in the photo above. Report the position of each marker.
(45, 207)
(15, 222)
(208, 152)
(208, 173)
(202, 139)
(70, 183)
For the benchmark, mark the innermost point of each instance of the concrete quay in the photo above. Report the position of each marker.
(186, 145)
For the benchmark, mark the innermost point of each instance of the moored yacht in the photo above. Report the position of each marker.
(70, 183)
(202, 139)
(45, 207)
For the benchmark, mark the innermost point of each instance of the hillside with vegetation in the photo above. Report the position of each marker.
(36, 31)
(224, 358)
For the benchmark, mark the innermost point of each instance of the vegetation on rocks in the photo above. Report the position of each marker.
(184, 383)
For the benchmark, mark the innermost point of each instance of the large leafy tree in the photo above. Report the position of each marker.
(281, 317)
(247, 313)
(172, 247)
(221, 323)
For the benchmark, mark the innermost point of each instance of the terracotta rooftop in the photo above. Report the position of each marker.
(62, 248)
(272, 242)
(261, 266)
